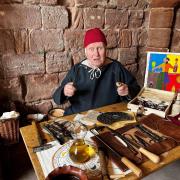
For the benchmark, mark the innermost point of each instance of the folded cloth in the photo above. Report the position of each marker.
(45, 157)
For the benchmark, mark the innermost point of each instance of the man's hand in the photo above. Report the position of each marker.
(69, 89)
(122, 89)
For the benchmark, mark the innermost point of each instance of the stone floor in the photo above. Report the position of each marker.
(16, 165)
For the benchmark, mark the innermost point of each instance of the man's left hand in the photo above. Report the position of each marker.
(123, 90)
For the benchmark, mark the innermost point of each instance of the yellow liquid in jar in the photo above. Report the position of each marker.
(80, 152)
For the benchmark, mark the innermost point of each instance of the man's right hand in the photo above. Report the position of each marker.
(69, 89)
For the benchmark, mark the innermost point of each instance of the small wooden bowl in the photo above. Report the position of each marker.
(55, 113)
(67, 173)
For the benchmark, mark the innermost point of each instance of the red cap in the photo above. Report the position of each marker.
(94, 35)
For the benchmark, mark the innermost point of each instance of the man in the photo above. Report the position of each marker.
(163, 77)
(165, 65)
(92, 82)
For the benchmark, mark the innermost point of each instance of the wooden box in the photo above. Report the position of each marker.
(162, 80)
(153, 101)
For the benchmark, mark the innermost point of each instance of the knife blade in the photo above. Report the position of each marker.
(125, 160)
(153, 157)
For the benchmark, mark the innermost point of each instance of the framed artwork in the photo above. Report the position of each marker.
(163, 71)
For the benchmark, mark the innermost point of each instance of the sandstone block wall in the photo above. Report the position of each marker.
(41, 39)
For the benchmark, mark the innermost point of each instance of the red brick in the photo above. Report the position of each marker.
(132, 68)
(54, 17)
(40, 107)
(157, 49)
(159, 37)
(46, 40)
(7, 44)
(43, 86)
(175, 46)
(135, 18)
(90, 3)
(112, 37)
(161, 17)
(142, 4)
(142, 52)
(93, 17)
(20, 16)
(125, 38)
(57, 62)
(135, 34)
(112, 53)
(116, 18)
(16, 65)
(128, 55)
(177, 18)
(78, 56)
(62, 76)
(121, 4)
(48, 2)
(146, 18)
(10, 1)
(21, 41)
(111, 4)
(143, 37)
(85, 3)
(11, 88)
(73, 39)
(139, 37)
(163, 3)
(67, 3)
(76, 18)
(141, 71)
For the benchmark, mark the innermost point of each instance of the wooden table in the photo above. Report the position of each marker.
(30, 140)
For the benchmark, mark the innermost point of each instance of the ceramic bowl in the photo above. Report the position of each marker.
(67, 173)
(55, 113)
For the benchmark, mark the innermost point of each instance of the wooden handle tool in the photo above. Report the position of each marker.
(132, 166)
(153, 157)
(137, 171)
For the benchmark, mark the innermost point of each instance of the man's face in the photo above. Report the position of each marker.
(96, 54)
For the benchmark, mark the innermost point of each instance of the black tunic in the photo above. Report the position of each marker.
(96, 92)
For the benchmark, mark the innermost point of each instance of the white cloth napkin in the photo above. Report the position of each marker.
(45, 157)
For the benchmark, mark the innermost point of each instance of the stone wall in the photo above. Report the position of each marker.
(41, 39)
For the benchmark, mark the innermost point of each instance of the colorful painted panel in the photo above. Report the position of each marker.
(163, 71)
